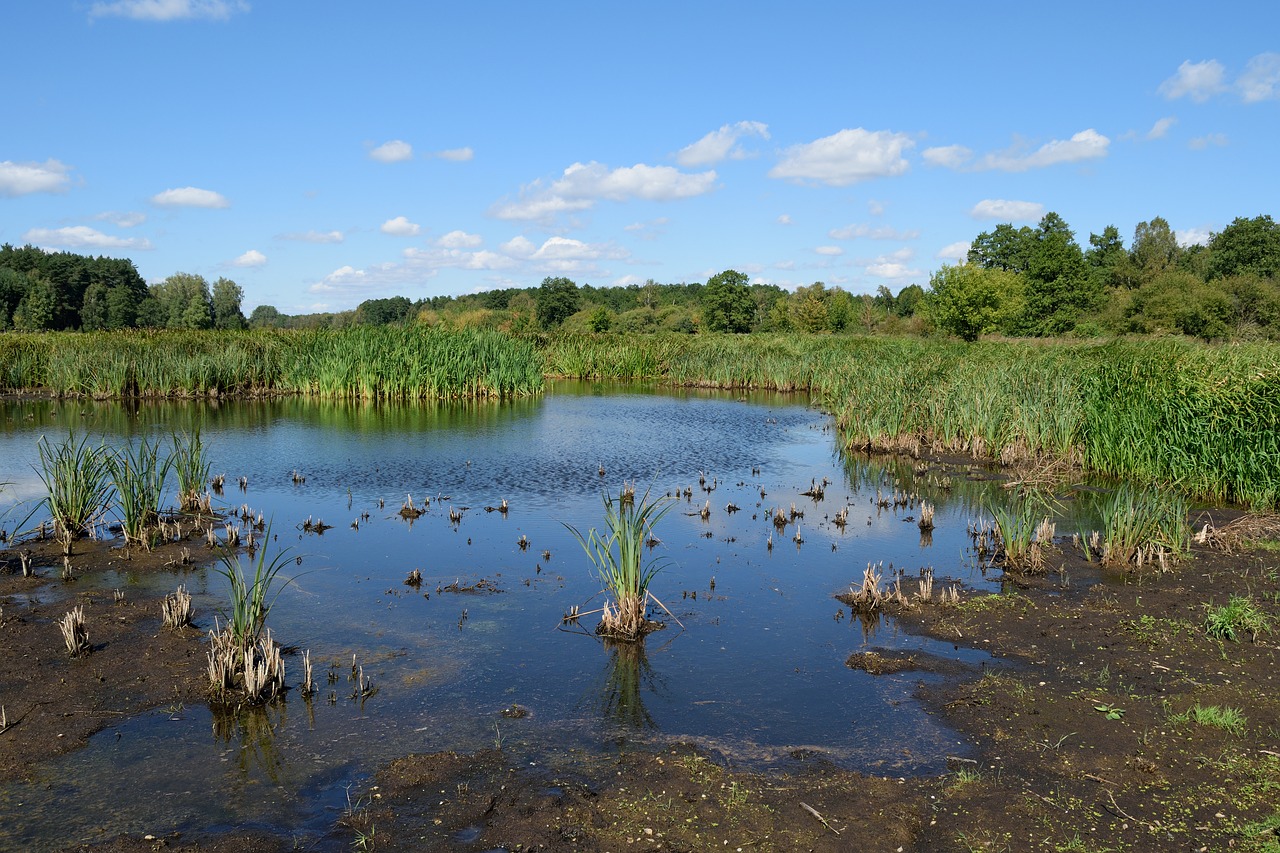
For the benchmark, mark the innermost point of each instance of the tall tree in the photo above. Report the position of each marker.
(1005, 248)
(727, 304)
(1246, 246)
(970, 301)
(557, 300)
(1155, 248)
(1058, 291)
(226, 299)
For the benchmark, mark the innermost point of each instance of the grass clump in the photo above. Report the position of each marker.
(1216, 716)
(1143, 527)
(1024, 532)
(618, 558)
(191, 467)
(1239, 616)
(139, 476)
(77, 482)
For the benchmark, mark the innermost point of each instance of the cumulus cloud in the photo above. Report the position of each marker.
(845, 158)
(81, 237)
(895, 265)
(1198, 81)
(395, 151)
(721, 144)
(168, 10)
(457, 155)
(1214, 140)
(459, 240)
(25, 178)
(557, 255)
(400, 226)
(582, 185)
(947, 156)
(1085, 145)
(1261, 79)
(829, 251)
(1010, 211)
(313, 236)
(883, 232)
(190, 197)
(251, 258)
(1194, 236)
(954, 252)
(120, 219)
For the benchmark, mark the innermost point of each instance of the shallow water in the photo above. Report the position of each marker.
(752, 667)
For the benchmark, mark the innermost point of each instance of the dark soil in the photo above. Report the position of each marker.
(1087, 740)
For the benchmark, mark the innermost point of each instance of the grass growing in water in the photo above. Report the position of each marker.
(77, 482)
(251, 597)
(191, 467)
(1025, 532)
(139, 475)
(618, 558)
(1143, 526)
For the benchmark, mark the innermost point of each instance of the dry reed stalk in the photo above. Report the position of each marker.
(176, 608)
(926, 516)
(74, 631)
(308, 686)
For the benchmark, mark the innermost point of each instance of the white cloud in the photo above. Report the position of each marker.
(1200, 143)
(457, 155)
(400, 226)
(1085, 145)
(948, 156)
(650, 230)
(721, 144)
(1261, 79)
(829, 251)
(1161, 127)
(434, 259)
(784, 219)
(519, 247)
(628, 280)
(895, 265)
(1010, 211)
(883, 232)
(81, 237)
(582, 185)
(395, 151)
(190, 197)
(120, 219)
(25, 178)
(459, 240)
(313, 236)
(845, 158)
(875, 207)
(251, 258)
(168, 10)
(954, 252)
(1194, 236)
(1198, 81)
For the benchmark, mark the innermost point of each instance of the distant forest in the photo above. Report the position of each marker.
(1017, 282)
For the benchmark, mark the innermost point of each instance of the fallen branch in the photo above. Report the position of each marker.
(811, 810)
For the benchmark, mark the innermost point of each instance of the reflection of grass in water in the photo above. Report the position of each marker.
(624, 679)
(253, 730)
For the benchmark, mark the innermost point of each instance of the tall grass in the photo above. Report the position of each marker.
(251, 596)
(1143, 526)
(139, 473)
(77, 483)
(618, 558)
(191, 467)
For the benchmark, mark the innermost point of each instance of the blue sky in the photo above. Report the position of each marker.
(322, 153)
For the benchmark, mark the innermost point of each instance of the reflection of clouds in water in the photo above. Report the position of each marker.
(17, 487)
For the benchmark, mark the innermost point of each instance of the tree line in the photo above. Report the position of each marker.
(61, 291)
(1016, 281)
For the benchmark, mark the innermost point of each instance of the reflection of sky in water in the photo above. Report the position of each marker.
(757, 670)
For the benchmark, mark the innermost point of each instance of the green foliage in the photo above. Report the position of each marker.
(618, 559)
(251, 598)
(970, 301)
(1058, 290)
(191, 467)
(601, 320)
(1239, 616)
(557, 300)
(77, 483)
(1246, 247)
(139, 475)
(226, 299)
(383, 312)
(1215, 716)
(1143, 526)
(727, 304)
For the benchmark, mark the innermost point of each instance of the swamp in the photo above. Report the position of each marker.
(858, 641)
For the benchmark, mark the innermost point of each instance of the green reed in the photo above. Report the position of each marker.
(618, 558)
(190, 466)
(76, 477)
(139, 473)
(251, 597)
(1143, 526)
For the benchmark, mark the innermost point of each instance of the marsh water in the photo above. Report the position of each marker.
(751, 664)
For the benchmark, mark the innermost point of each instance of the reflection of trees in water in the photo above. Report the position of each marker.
(252, 730)
(622, 684)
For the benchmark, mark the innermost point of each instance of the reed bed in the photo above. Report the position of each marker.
(139, 473)
(359, 363)
(77, 481)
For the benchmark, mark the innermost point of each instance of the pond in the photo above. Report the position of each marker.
(751, 664)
